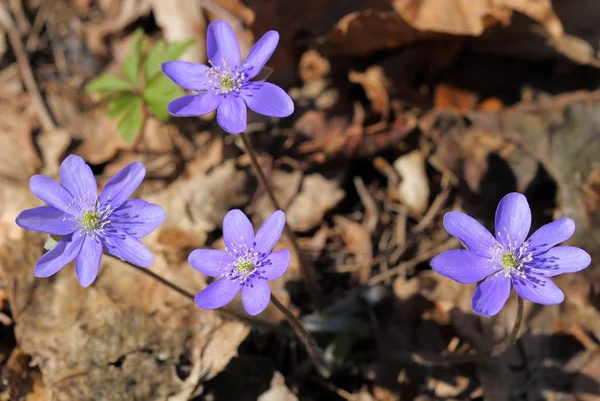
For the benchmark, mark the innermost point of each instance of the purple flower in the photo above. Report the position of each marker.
(90, 224)
(227, 85)
(509, 258)
(247, 263)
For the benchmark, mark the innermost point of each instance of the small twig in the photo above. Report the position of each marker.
(441, 360)
(451, 243)
(436, 205)
(307, 269)
(38, 24)
(8, 25)
(311, 345)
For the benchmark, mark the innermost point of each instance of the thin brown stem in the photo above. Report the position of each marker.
(311, 345)
(440, 360)
(307, 269)
(6, 22)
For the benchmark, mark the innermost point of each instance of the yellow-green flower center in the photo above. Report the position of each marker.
(91, 220)
(245, 266)
(227, 83)
(509, 260)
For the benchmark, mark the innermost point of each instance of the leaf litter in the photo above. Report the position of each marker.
(404, 110)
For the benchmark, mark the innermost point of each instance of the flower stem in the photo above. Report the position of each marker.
(307, 269)
(313, 348)
(438, 360)
(256, 323)
(311, 345)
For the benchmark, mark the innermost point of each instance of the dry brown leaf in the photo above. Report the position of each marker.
(285, 186)
(357, 242)
(472, 17)
(111, 340)
(363, 32)
(317, 196)
(413, 190)
(278, 390)
(197, 204)
(313, 66)
(448, 97)
(179, 21)
(118, 15)
(375, 84)
(18, 157)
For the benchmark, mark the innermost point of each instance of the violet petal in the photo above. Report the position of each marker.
(275, 265)
(217, 294)
(463, 266)
(269, 233)
(87, 262)
(550, 235)
(222, 45)
(190, 76)
(538, 289)
(53, 194)
(260, 53)
(231, 114)
(195, 105)
(560, 260)
(210, 262)
(62, 254)
(491, 295)
(46, 219)
(513, 220)
(237, 230)
(256, 295)
(127, 248)
(137, 217)
(123, 184)
(470, 232)
(77, 178)
(267, 99)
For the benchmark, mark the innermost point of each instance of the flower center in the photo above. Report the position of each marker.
(224, 79)
(91, 220)
(245, 266)
(246, 262)
(510, 258)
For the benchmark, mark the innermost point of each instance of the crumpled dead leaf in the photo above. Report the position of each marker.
(413, 190)
(278, 390)
(362, 32)
(317, 196)
(375, 84)
(357, 242)
(81, 337)
(117, 16)
(181, 20)
(472, 17)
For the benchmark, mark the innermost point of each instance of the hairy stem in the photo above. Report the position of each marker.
(439, 360)
(307, 269)
(311, 345)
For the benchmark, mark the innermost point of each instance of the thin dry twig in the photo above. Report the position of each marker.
(451, 243)
(307, 269)
(437, 204)
(8, 25)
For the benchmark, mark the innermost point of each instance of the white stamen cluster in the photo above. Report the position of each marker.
(509, 257)
(224, 79)
(90, 221)
(246, 262)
